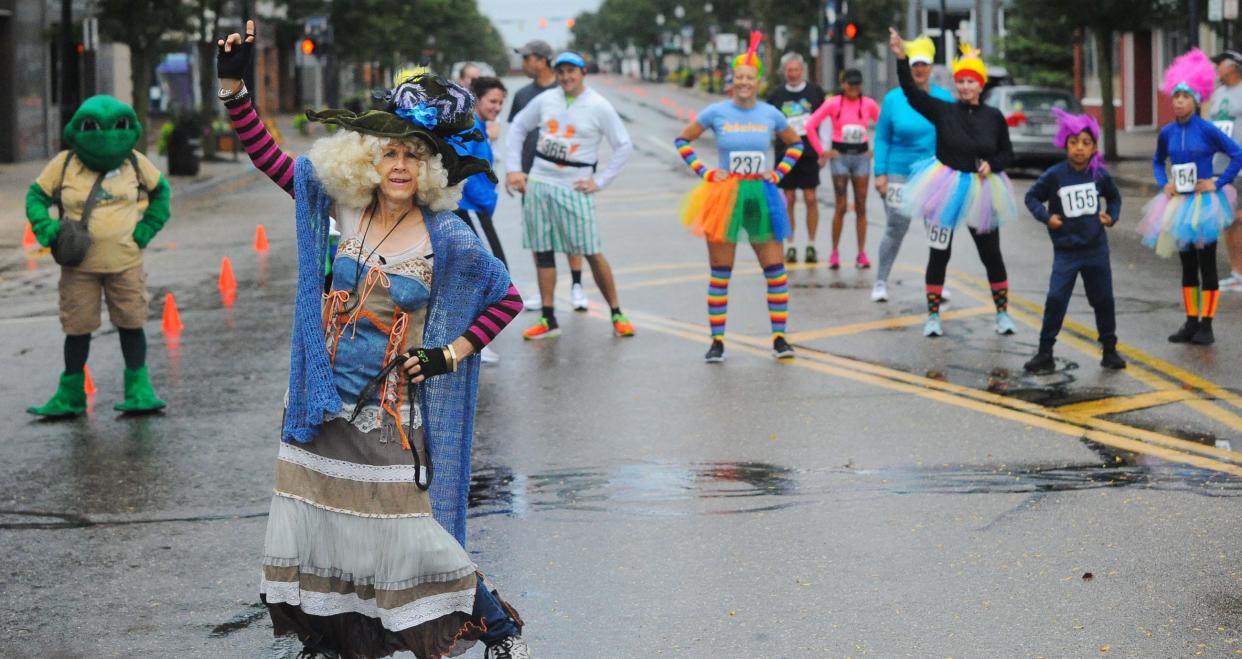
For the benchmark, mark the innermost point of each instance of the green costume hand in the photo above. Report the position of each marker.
(45, 231)
(143, 233)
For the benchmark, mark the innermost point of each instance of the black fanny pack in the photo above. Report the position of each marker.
(566, 163)
(850, 148)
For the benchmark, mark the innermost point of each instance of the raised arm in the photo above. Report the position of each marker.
(233, 55)
(922, 102)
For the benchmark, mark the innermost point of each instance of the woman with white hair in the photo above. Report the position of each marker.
(364, 553)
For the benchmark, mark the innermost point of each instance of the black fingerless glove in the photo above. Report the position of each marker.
(432, 361)
(235, 63)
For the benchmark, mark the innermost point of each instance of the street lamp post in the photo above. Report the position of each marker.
(659, 49)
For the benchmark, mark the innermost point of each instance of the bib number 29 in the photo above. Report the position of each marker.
(938, 237)
(746, 163)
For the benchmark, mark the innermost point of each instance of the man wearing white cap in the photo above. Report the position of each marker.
(1225, 110)
(558, 204)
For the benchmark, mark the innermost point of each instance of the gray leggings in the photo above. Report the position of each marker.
(894, 231)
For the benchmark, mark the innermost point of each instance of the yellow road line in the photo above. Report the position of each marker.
(1119, 404)
(1165, 447)
(884, 324)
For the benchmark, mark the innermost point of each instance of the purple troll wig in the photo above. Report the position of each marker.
(1069, 125)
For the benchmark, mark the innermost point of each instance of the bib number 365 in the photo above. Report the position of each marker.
(938, 237)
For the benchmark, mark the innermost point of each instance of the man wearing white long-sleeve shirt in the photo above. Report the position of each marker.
(558, 206)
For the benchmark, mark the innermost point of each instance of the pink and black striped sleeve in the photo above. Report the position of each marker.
(262, 148)
(494, 319)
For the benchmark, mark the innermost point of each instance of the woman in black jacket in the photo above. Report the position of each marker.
(965, 182)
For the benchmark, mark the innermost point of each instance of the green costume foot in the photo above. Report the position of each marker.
(139, 395)
(69, 400)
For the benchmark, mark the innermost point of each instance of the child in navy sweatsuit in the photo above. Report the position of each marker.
(1067, 199)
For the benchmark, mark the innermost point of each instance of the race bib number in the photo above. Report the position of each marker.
(746, 163)
(1185, 176)
(894, 197)
(853, 134)
(938, 237)
(553, 147)
(1225, 126)
(1079, 200)
(798, 123)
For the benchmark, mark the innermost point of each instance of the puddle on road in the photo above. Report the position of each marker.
(748, 487)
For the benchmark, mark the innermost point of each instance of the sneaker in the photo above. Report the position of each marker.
(1043, 363)
(932, 326)
(834, 261)
(945, 295)
(578, 298)
(509, 647)
(1204, 335)
(1112, 360)
(791, 255)
(1004, 324)
(541, 330)
(811, 256)
(879, 292)
(533, 303)
(621, 326)
(1231, 283)
(715, 354)
(861, 262)
(1186, 333)
(488, 356)
(781, 348)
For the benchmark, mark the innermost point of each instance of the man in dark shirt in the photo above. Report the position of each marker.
(537, 65)
(797, 99)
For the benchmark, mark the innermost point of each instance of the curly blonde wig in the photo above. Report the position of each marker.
(345, 163)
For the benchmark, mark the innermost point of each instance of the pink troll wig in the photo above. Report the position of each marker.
(1069, 125)
(1192, 73)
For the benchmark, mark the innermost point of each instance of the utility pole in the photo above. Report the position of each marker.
(1192, 36)
(69, 100)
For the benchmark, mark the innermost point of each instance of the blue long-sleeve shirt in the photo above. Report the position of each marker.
(1195, 141)
(902, 135)
(1043, 199)
(479, 193)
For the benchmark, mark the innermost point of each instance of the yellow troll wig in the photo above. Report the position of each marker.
(970, 65)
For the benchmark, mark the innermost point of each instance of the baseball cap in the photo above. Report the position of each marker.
(537, 48)
(1231, 55)
(568, 57)
(852, 76)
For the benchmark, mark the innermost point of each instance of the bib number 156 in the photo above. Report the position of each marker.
(938, 237)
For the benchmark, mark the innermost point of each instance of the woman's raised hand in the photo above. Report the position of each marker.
(896, 43)
(233, 56)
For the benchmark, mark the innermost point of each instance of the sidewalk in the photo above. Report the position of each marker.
(213, 178)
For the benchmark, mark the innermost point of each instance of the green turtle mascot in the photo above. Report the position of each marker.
(112, 202)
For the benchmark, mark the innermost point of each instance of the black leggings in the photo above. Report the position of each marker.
(988, 245)
(1199, 267)
(486, 231)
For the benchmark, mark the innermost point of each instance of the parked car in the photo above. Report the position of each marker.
(1032, 126)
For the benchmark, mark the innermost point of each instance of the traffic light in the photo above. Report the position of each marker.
(307, 46)
(543, 22)
(569, 23)
(850, 31)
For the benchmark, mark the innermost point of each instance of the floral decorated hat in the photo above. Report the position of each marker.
(426, 106)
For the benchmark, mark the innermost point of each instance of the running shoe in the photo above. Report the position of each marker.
(781, 348)
(945, 296)
(1004, 324)
(578, 298)
(791, 255)
(1186, 333)
(1043, 363)
(932, 326)
(509, 647)
(1112, 360)
(834, 261)
(811, 256)
(541, 330)
(1204, 335)
(862, 263)
(879, 292)
(715, 354)
(621, 326)
(488, 356)
(533, 303)
(1231, 283)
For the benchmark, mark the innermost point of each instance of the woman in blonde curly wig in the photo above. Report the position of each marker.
(364, 554)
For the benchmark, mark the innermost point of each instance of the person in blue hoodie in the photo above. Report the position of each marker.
(902, 138)
(1066, 198)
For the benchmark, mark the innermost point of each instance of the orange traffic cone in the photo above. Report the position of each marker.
(172, 317)
(90, 382)
(29, 241)
(260, 239)
(227, 281)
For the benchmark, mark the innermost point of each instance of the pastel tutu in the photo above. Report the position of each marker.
(1170, 224)
(721, 210)
(940, 195)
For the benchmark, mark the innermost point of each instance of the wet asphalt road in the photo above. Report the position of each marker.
(884, 495)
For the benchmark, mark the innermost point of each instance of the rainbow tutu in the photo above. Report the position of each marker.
(940, 195)
(1171, 224)
(720, 211)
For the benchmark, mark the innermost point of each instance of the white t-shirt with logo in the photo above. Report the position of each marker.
(569, 131)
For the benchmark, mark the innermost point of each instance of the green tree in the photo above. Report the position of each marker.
(1030, 55)
(150, 28)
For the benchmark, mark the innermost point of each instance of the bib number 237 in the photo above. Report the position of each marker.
(746, 163)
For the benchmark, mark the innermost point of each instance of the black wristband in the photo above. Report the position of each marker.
(431, 362)
(236, 62)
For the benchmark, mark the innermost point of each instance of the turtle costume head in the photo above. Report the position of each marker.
(103, 132)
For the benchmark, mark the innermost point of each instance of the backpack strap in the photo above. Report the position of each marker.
(60, 206)
(142, 185)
